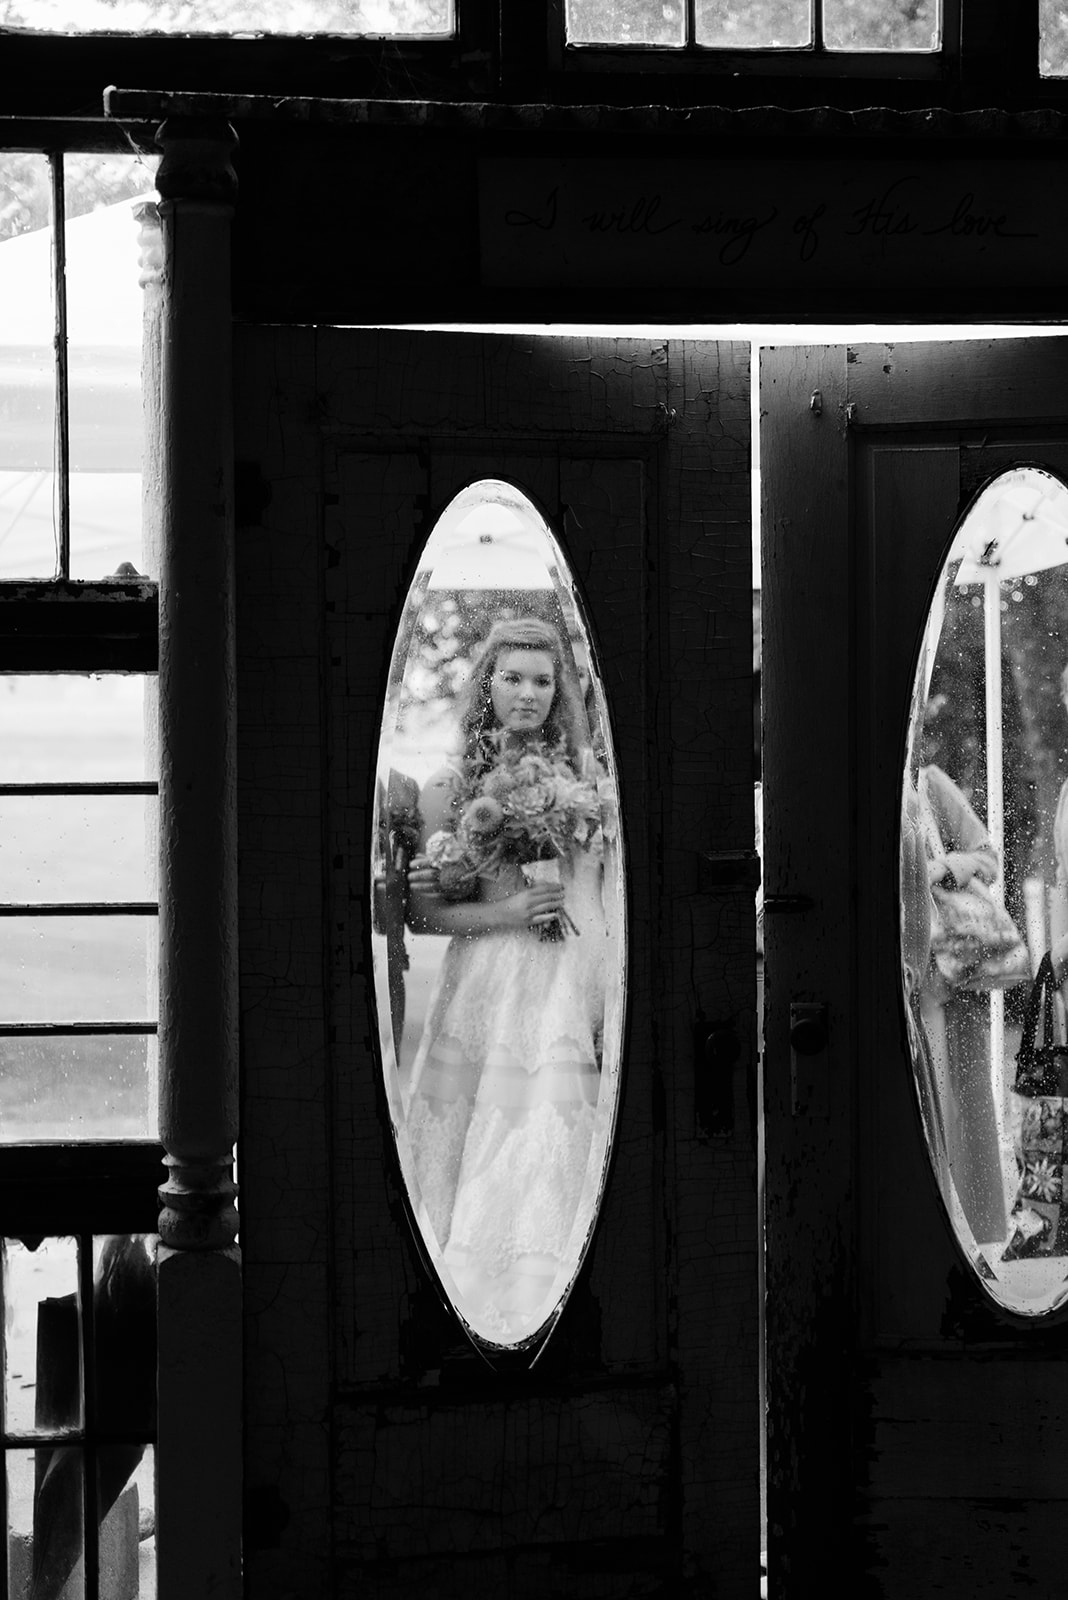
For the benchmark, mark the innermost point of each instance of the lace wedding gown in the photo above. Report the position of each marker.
(502, 1106)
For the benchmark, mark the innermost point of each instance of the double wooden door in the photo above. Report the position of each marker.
(914, 1430)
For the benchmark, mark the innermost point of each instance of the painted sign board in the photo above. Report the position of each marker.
(753, 223)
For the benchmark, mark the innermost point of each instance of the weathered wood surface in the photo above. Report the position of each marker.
(285, 1111)
(932, 1439)
(985, 381)
(916, 1419)
(808, 850)
(198, 1300)
(482, 408)
(511, 1472)
(983, 1549)
(628, 1457)
(64, 625)
(907, 496)
(414, 250)
(706, 948)
(635, 1568)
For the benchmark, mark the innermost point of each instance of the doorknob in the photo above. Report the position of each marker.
(808, 1029)
(808, 1058)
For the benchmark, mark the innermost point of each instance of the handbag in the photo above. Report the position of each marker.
(1040, 1223)
(974, 942)
(1041, 1069)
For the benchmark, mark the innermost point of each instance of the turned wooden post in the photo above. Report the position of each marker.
(199, 1461)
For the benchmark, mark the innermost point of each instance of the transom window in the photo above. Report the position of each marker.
(397, 19)
(469, 49)
(1053, 38)
(70, 365)
(898, 25)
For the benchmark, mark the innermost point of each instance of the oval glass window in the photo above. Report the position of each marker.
(984, 863)
(499, 940)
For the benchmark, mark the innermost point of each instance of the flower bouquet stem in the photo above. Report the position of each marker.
(549, 872)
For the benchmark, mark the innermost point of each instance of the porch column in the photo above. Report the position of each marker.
(199, 1457)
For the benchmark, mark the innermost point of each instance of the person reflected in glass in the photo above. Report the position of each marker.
(124, 1331)
(917, 917)
(1058, 920)
(396, 833)
(506, 1078)
(956, 1019)
(1039, 1213)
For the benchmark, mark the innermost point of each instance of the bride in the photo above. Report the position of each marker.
(505, 1082)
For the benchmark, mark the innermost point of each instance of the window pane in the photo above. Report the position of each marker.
(42, 1343)
(66, 729)
(1053, 38)
(128, 1528)
(656, 22)
(124, 1308)
(28, 518)
(96, 1086)
(44, 1365)
(501, 1051)
(45, 1520)
(375, 18)
(27, 368)
(76, 969)
(882, 24)
(983, 885)
(74, 847)
(763, 24)
(94, 848)
(105, 511)
(104, 198)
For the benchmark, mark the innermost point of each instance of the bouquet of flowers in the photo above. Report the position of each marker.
(527, 806)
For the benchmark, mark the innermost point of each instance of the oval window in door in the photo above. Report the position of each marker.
(499, 938)
(984, 891)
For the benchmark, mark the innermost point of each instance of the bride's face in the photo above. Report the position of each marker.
(522, 689)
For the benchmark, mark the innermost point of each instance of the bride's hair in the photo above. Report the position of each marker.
(567, 714)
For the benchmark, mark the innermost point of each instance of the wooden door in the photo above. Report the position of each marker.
(913, 1427)
(383, 1452)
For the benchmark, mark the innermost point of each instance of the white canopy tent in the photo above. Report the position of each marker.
(1018, 526)
(104, 318)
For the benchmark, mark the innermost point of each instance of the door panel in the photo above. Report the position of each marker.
(899, 1395)
(626, 1308)
(625, 1462)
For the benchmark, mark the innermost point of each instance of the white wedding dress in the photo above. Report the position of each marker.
(502, 1107)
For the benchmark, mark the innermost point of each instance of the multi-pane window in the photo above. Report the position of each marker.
(854, 25)
(79, 1416)
(395, 19)
(79, 1162)
(77, 909)
(1053, 36)
(70, 364)
(705, 29)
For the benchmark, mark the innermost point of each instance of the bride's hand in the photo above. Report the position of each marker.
(532, 907)
(423, 878)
